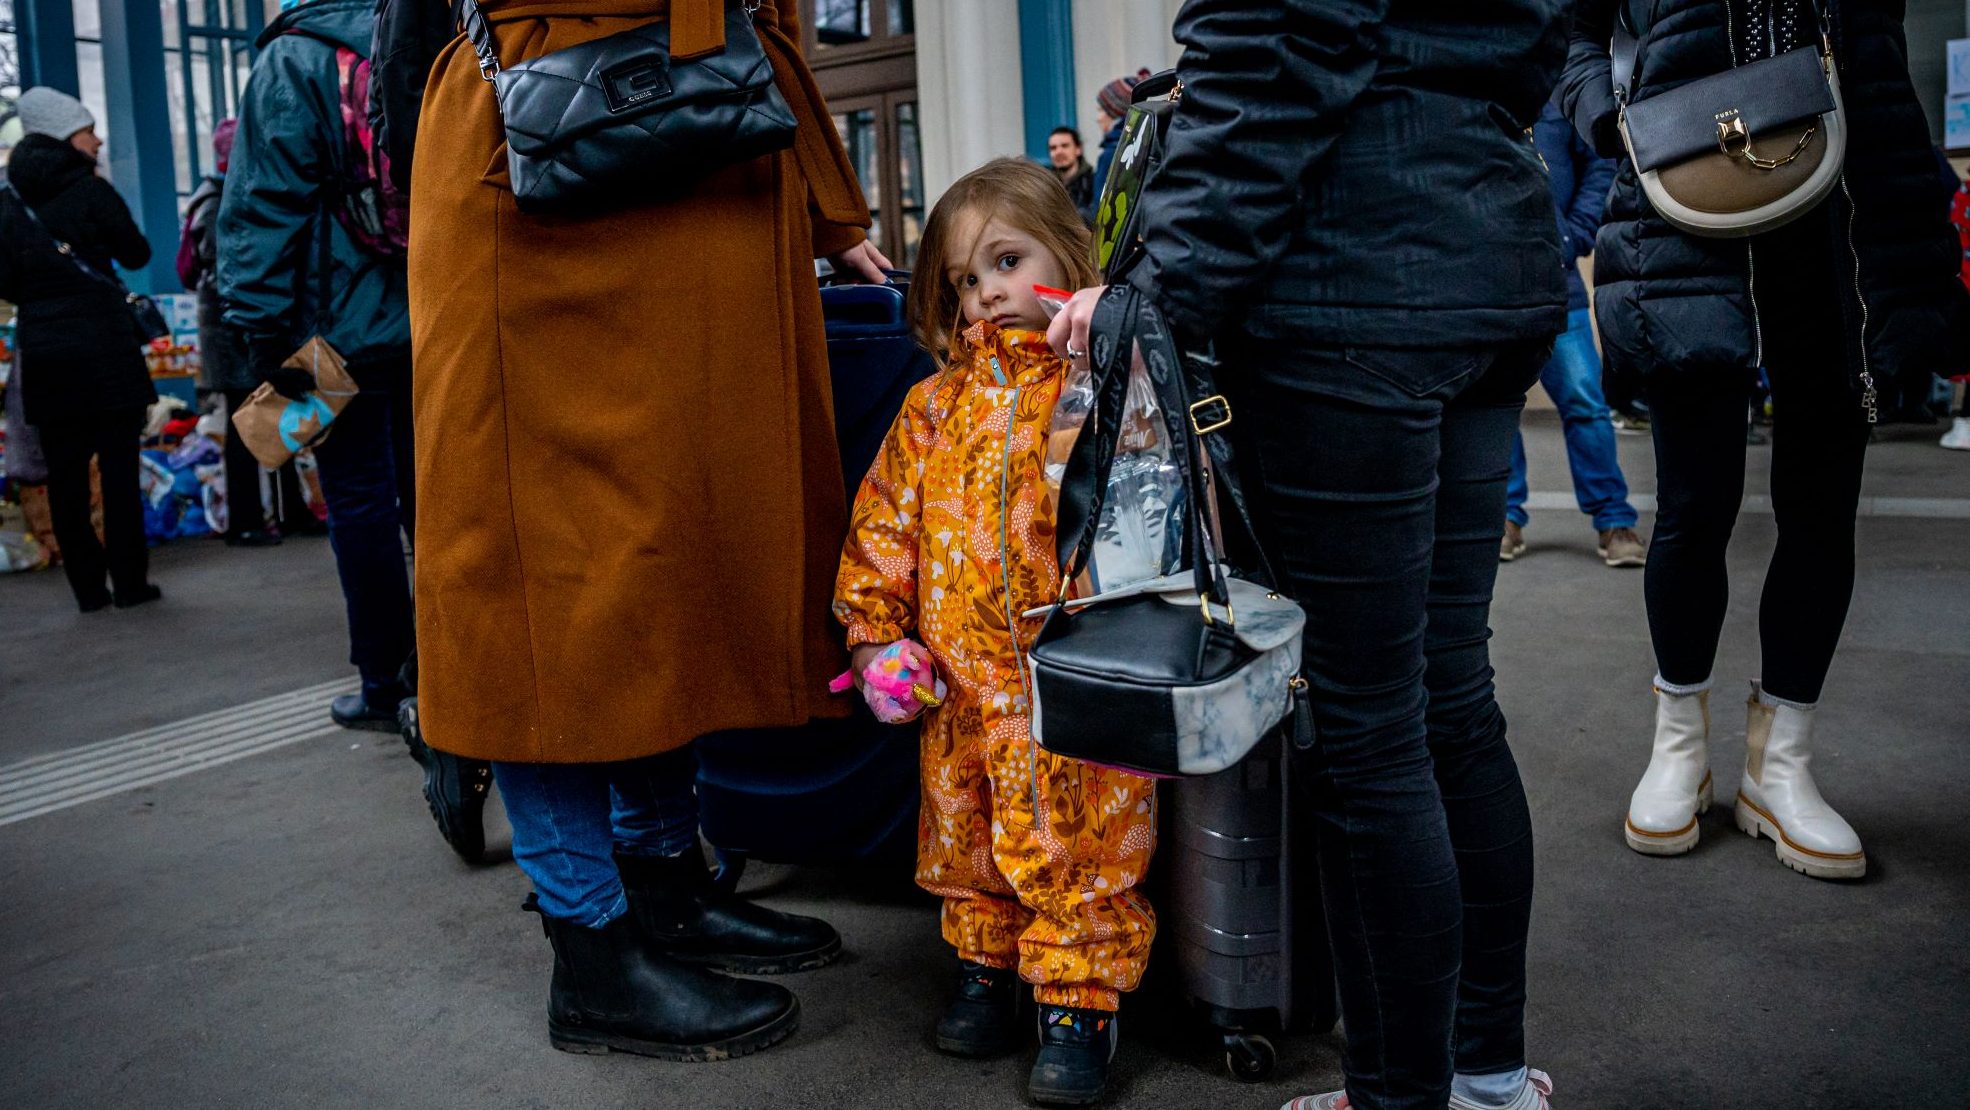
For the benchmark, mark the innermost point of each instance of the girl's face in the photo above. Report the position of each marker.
(996, 282)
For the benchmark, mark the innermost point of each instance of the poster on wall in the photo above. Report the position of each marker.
(1956, 102)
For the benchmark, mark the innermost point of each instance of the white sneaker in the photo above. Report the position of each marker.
(1535, 1095)
(1676, 789)
(1779, 799)
(1958, 436)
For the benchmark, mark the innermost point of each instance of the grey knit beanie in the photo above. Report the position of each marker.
(51, 112)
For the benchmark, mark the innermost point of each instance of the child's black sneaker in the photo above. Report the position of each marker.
(1075, 1047)
(983, 1020)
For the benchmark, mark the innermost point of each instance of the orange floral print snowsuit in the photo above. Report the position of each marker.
(1036, 856)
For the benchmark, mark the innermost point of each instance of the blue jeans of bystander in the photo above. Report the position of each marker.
(569, 819)
(1572, 378)
(366, 480)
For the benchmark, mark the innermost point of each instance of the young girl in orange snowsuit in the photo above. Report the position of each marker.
(1038, 858)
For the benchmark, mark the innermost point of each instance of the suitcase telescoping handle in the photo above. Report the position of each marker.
(866, 311)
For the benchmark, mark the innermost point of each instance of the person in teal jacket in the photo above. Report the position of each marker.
(289, 269)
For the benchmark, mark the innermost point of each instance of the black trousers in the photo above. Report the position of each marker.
(111, 439)
(1378, 477)
(1819, 447)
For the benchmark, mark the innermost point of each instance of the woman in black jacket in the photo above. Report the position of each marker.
(1379, 319)
(1833, 306)
(83, 369)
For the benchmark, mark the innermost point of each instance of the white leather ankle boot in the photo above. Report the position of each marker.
(1778, 798)
(1676, 788)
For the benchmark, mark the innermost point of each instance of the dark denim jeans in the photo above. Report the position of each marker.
(569, 817)
(1379, 482)
(1572, 378)
(366, 479)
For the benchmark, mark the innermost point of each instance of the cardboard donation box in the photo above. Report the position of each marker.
(276, 429)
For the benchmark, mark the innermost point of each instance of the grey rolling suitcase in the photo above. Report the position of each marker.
(1242, 917)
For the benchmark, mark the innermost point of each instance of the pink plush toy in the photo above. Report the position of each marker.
(899, 683)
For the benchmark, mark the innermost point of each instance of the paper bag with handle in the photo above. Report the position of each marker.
(274, 428)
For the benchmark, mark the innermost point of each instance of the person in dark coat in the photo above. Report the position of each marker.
(84, 382)
(224, 365)
(1379, 319)
(278, 206)
(1579, 181)
(1857, 291)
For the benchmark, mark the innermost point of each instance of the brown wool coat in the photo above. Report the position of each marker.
(629, 497)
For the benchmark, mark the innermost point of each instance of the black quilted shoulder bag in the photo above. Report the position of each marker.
(619, 121)
(1181, 675)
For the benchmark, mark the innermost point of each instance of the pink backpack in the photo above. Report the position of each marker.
(374, 212)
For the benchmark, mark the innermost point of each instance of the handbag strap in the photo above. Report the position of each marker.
(63, 247)
(1195, 416)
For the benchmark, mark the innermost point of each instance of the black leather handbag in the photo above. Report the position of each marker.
(145, 317)
(1180, 675)
(620, 121)
(1741, 152)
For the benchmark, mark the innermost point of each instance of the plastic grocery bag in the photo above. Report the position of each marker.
(1140, 534)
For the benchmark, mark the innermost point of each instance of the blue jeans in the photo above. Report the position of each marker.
(1572, 378)
(1378, 478)
(367, 481)
(569, 818)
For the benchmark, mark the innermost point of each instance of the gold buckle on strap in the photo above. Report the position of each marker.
(1217, 417)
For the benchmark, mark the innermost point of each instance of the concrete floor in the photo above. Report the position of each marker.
(287, 930)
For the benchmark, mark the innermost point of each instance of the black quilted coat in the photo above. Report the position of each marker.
(1670, 302)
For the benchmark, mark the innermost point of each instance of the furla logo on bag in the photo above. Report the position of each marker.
(637, 82)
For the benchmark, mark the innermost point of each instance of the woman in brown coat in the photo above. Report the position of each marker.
(630, 504)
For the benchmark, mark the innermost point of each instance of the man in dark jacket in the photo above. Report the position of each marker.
(1579, 182)
(1070, 165)
(1352, 209)
(81, 366)
(289, 269)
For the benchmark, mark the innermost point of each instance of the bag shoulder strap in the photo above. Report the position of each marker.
(62, 245)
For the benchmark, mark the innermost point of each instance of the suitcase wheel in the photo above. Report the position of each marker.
(1249, 1057)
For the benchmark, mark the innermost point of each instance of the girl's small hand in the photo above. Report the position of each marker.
(1068, 334)
(862, 261)
(898, 680)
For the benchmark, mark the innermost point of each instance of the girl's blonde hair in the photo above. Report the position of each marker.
(1025, 197)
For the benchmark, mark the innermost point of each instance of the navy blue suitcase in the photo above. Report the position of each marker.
(830, 791)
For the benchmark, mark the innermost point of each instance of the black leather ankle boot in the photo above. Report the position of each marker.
(687, 919)
(613, 991)
(983, 1018)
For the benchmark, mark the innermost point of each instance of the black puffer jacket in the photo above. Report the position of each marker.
(79, 346)
(1667, 301)
(1360, 172)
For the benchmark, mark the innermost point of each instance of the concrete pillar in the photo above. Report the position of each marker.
(968, 87)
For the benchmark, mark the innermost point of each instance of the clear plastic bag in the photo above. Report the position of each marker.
(1140, 534)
